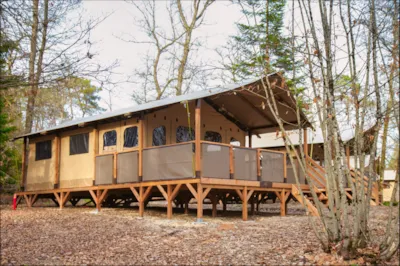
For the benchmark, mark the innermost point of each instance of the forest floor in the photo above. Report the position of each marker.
(47, 235)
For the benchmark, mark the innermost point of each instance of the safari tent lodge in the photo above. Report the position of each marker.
(189, 147)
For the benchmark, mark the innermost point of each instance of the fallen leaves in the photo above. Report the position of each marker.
(46, 235)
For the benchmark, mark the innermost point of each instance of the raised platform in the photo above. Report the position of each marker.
(178, 192)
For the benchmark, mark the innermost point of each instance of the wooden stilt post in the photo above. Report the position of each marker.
(98, 204)
(199, 202)
(198, 138)
(141, 202)
(169, 201)
(244, 204)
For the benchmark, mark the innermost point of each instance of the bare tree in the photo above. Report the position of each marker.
(56, 36)
(345, 227)
(171, 69)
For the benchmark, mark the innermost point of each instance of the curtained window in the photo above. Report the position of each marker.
(43, 150)
(213, 136)
(183, 134)
(159, 138)
(110, 138)
(131, 137)
(79, 144)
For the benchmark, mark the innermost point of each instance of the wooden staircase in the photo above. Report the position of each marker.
(317, 174)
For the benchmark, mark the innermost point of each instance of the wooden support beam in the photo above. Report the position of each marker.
(98, 203)
(283, 199)
(192, 190)
(258, 164)
(244, 204)
(141, 145)
(95, 151)
(163, 192)
(24, 161)
(239, 194)
(169, 201)
(141, 201)
(205, 193)
(199, 202)
(198, 138)
(305, 145)
(57, 143)
(94, 197)
(231, 163)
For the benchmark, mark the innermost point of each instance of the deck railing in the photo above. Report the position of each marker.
(177, 161)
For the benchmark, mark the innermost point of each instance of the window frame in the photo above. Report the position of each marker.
(110, 147)
(187, 129)
(37, 149)
(88, 143)
(137, 136)
(165, 136)
(210, 131)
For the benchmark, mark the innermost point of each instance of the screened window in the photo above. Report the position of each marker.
(159, 136)
(79, 144)
(235, 142)
(212, 136)
(43, 150)
(130, 137)
(183, 134)
(110, 138)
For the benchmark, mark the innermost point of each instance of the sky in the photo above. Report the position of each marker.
(219, 25)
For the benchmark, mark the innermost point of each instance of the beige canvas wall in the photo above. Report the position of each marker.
(40, 174)
(76, 170)
(214, 121)
(177, 115)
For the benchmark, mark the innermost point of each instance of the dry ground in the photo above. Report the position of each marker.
(47, 235)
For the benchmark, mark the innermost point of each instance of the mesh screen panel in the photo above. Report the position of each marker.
(272, 167)
(170, 162)
(104, 169)
(245, 164)
(127, 167)
(215, 161)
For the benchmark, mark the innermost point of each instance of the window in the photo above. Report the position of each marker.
(235, 142)
(130, 137)
(79, 144)
(110, 138)
(183, 134)
(43, 150)
(212, 136)
(159, 136)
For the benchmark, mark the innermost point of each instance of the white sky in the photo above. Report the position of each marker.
(219, 25)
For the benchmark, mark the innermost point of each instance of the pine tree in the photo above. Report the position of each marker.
(260, 40)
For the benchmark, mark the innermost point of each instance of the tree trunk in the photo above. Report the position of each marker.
(32, 58)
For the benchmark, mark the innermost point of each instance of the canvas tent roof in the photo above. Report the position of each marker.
(241, 106)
